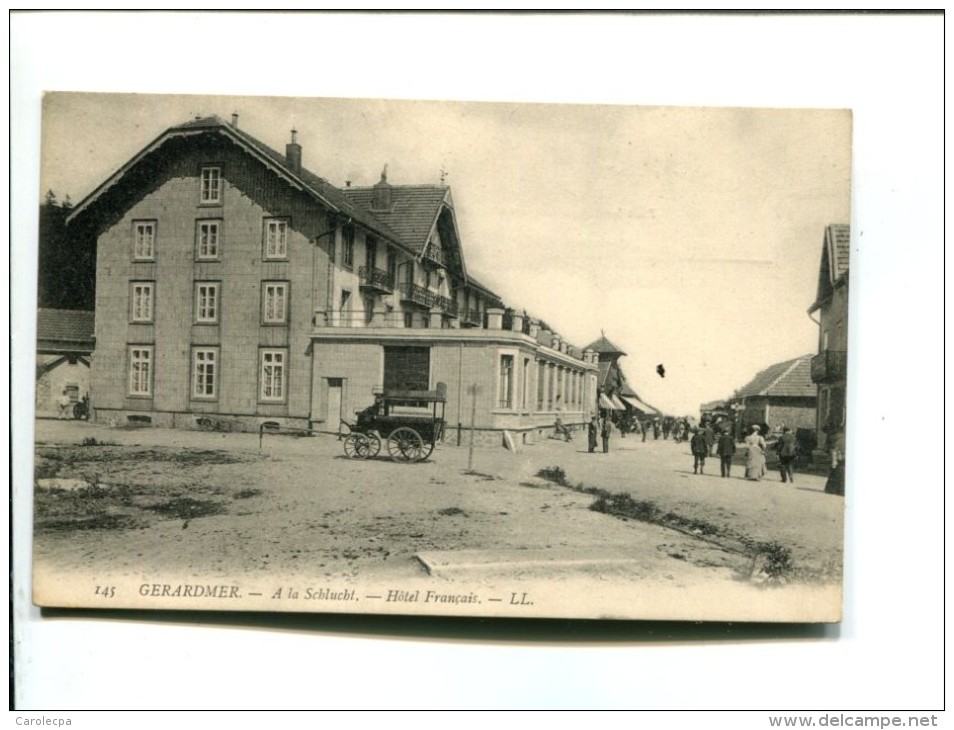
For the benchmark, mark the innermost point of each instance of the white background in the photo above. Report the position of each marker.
(886, 656)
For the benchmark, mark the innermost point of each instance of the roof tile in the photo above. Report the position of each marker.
(790, 378)
(64, 325)
(603, 345)
(414, 208)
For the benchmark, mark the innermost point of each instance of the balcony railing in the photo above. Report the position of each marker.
(376, 279)
(472, 317)
(829, 365)
(449, 306)
(435, 254)
(418, 295)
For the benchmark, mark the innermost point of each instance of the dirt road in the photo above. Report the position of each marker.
(205, 505)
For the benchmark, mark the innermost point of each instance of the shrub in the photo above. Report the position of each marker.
(554, 474)
(777, 559)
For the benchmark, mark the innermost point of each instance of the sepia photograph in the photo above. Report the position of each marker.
(477, 360)
(472, 359)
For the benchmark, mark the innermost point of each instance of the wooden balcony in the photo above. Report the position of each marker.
(829, 366)
(376, 280)
(414, 294)
(449, 306)
(435, 255)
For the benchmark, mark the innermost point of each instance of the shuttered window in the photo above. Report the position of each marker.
(406, 368)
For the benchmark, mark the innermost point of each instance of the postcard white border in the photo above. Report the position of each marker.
(888, 69)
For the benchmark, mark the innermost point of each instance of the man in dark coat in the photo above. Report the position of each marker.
(605, 433)
(710, 437)
(591, 431)
(787, 448)
(700, 450)
(726, 449)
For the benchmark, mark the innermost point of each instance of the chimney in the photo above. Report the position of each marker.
(293, 153)
(381, 195)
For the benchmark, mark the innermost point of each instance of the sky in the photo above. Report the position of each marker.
(690, 236)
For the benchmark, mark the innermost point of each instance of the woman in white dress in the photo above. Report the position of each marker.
(755, 455)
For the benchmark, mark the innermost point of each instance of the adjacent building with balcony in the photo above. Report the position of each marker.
(232, 283)
(829, 368)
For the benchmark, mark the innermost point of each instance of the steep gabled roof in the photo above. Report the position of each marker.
(836, 250)
(317, 187)
(64, 325)
(413, 212)
(791, 378)
(604, 346)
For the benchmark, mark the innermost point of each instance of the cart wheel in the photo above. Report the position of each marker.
(374, 445)
(428, 450)
(357, 446)
(405, 444)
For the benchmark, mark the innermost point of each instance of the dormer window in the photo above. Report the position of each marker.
(211, 186)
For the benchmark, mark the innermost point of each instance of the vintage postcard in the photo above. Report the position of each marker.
(441, 358)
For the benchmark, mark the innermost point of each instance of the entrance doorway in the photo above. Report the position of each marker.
(334, 400)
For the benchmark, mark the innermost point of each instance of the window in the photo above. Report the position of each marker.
(371, 253)
(204, 373)
(140, 370)
(368, 310)
(142, 295)
(505, 390)
(207, 240)
(272, 375)
(525, 389)
(347, 247)
(551, 383)
(207, 302)
(406, 368)
(276, 239)
(274, 302)
(392, 266)
(144, 240)
(211, 185)
(345, 308)
(541, 384)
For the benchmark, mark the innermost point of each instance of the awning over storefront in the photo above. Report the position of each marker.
(617, 403)
(638, 404)
(607, 404)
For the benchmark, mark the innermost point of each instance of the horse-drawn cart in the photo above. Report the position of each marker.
(410, 423)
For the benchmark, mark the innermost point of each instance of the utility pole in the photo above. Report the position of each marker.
(473, 389)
